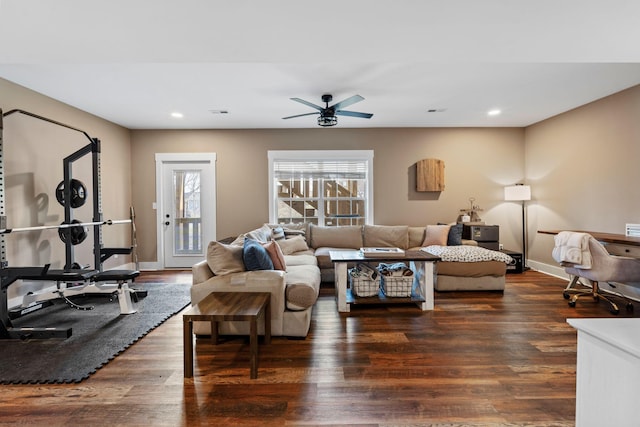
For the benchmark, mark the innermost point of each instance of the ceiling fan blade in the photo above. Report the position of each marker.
(354, 114)
(302, 101)
(300, 115)
(346, 102)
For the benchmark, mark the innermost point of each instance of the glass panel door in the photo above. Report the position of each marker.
(187, 210)
(186, 216)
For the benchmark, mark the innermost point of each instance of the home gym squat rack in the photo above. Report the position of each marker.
(72, 272)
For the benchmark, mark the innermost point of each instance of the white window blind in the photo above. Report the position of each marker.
(323, 187)
(320, 169)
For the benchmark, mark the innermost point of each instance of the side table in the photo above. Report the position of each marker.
(221, 306)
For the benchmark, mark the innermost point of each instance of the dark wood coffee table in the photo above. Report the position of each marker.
(221, 306)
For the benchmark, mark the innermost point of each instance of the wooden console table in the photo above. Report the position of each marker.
(221, 306)
(422, 264)
(616, 244)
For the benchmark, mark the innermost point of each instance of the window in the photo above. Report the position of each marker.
(330, 188)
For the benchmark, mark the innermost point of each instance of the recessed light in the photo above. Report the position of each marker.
(494, 112)
(177, 115)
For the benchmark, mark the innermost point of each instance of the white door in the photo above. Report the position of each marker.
(186, 213)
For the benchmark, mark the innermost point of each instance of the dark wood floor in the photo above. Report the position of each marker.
(478, 359)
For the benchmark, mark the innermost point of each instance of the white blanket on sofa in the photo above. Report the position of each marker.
(465, 253)
(572, 248)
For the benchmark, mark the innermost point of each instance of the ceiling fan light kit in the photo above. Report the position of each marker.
(327, 121)
(328, 114)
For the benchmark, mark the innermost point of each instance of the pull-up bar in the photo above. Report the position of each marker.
(37, 116)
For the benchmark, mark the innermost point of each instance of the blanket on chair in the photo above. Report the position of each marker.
(572, 249)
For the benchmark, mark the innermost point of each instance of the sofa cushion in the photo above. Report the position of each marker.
(255, 256)
(304, 259)
(324, 259)
(295, 244)
(224, 259)
(416, 237)
(436, 235)
(276, 255)
(396, 236)
(303, 285)
(349, 236)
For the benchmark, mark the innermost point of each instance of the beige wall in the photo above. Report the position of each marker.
(478, 163)
(33, 154)
(582, 166)
(583, 169)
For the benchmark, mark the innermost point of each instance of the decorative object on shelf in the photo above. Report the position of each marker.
(520, 193)
(430, 175)
(470, 214)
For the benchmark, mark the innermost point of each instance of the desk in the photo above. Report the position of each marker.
(221, 306)
(420, 262)
(616, 244)
(608, 372)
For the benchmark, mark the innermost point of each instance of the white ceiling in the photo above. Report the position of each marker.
(134, 62)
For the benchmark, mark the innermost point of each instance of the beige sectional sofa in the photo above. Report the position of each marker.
(305, 252)
(294, 290)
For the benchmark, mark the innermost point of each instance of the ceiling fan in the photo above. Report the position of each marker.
(328, 113)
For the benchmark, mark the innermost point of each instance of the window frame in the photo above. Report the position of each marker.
(319, 155)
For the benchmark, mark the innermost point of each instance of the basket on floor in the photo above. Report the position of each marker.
(397, 286)
(363, 286)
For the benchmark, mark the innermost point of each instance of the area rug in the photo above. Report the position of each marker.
(98, 335)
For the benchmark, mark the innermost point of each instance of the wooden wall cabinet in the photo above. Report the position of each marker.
(430, 175)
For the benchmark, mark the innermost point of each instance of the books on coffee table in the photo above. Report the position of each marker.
(382, 252)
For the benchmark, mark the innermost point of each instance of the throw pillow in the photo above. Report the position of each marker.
(276, 255)
(288, 233)
(224, 259)
(295, 244)
(436, 235)
(277, 233)
(255, 256)
(455, 234)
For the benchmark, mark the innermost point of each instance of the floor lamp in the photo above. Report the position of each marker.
(520, 193)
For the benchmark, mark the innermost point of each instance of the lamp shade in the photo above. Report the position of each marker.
(517, 192)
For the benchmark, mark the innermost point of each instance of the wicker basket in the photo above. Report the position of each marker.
(397, 286)
(363, 286)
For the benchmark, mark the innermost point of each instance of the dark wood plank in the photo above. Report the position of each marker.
(478, 359)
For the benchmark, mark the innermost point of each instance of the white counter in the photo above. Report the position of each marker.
(608, 372)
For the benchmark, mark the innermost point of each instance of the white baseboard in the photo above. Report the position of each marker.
(631, 291)
(551, 270)
(149, 266)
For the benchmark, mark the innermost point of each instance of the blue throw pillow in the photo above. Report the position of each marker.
(255, 257)
(454, 238)
(455, 235)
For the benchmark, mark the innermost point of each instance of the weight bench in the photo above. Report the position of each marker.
(9, 275)
(32, 302)
(122, 279)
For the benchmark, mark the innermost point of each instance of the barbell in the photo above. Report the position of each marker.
(64, 225)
